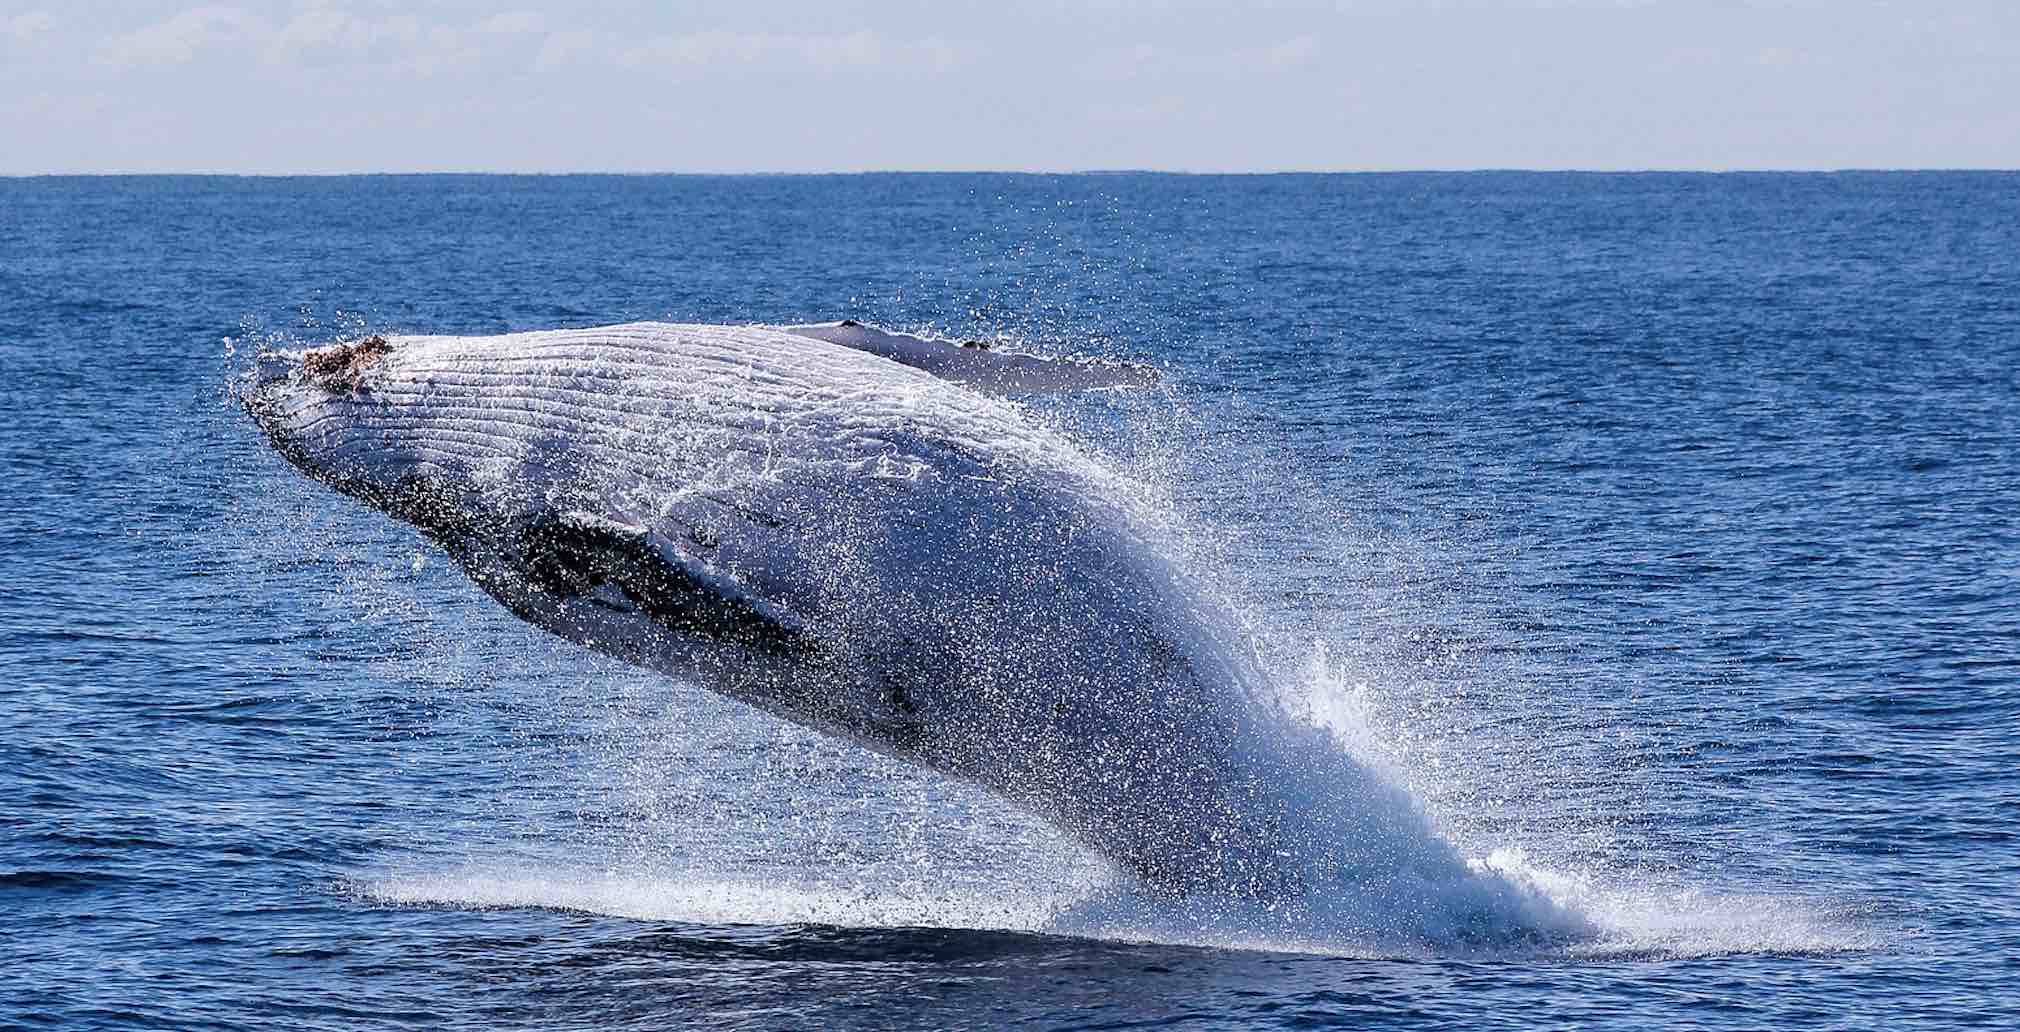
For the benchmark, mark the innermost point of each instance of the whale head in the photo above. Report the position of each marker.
(320, 412)
(444, 434)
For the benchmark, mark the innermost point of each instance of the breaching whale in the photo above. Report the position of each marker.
(847, 528)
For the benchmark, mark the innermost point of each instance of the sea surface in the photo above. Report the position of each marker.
(1660, 534)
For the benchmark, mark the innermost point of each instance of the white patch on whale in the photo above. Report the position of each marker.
(829, 530)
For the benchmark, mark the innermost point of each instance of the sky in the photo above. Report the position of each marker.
(844, 85)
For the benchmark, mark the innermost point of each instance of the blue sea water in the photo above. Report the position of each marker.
(1659, 533)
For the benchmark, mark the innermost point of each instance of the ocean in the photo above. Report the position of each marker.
(1657, 534)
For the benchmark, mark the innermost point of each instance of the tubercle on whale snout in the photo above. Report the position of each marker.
(337, 368)
(340, 368)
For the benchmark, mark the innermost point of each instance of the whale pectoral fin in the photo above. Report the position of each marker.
(574, 552)
(977, 364)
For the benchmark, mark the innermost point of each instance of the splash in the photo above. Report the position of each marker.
(1632, 922)
(888, 856)
(706, 897)
(1650, 917)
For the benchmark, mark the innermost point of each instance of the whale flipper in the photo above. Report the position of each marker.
(976, 364)
(574, 553)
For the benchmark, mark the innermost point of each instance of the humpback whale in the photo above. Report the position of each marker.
(851, 529)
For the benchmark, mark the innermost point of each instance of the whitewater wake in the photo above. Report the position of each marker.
(1503, 903)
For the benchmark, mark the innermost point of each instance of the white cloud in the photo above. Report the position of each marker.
(328, 36)
(1144, 61)
(182, 37)
(566, 47)
(1288, 54)
(22, 29)
(399, 44)
(323, 36)
(279, 84)
(1122, 63)
(513, 23)
(701, 51)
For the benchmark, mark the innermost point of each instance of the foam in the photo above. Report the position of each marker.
(1645, 921)
(1649, 916)
(707, 898)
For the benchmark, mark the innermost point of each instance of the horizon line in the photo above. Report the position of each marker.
(833, 173)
